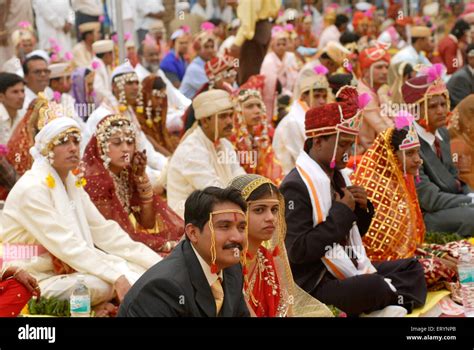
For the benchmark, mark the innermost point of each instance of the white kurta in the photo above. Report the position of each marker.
(146, 7)
(30, 96)
(82, 56)
(13, 65)
(289, 137)
(409, 54)
(51, 16)
(197, 164)
(331, 33)
(205, 13)
(6, 125)
(74, 231)
(102, 80)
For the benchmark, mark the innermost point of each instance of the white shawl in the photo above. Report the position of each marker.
(336, 259)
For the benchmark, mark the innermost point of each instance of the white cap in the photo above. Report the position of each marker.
(43, 54)
(182, 6)
(122, 69)
(212, 102)
(177, 34)
(89, 27)
(363, 6)
(103, 46)
(59, 70)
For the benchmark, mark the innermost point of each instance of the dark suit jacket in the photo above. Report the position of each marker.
(438, 188)
(177, 287)
(306, 245)
(460, 85)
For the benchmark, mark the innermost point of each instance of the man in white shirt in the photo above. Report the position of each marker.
(289, 137)
(12, 96)
(102, 65)
(60, 84)
(149, 55)
(86, 11)
(37, 73)
(413, 54)
(149, 13)
(203, 8)
(83, 53)
(224, 10)
(205, 157)
(334, 31)
(54, 22)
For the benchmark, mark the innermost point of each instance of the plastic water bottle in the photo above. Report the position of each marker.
(80, 301)
(466, 278)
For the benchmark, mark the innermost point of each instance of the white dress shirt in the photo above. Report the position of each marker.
(210, 277)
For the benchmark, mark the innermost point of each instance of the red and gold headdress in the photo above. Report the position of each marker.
(219, 67)
(343, 116)
(403, 120)
(421, 88)
(370, 56)
(250, 91)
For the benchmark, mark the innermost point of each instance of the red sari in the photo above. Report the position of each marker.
(22, 139)
(260, 144)
(102, 190)
(263, 290)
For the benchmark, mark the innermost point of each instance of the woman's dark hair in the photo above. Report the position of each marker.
(459, 28)
(398, 136)
(348, 38)
(85, 34)
(201, 203)
(7, 80)
(158, 84)
(407, 70)
(340, 20)
(337, 81)
(263, 191)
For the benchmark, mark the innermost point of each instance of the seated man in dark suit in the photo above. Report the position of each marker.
(326, 217)
(202, 277)
(446, 201)
(461, 83)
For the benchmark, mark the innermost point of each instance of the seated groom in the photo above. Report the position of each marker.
(447, 203)
(326, 217)
(202, 277)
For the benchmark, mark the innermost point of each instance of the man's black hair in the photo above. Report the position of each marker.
(201, 203)
(460, 28)
(30, 59)
(7, 80)
(341, 19)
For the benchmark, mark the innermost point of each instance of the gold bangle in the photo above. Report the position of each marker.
(146, 200)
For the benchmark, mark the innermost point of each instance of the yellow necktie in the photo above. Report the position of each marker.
(218, 294)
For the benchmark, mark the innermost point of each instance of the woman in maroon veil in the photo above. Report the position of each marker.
(115, 178)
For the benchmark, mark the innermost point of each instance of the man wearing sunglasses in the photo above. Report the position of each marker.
(37, 75)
